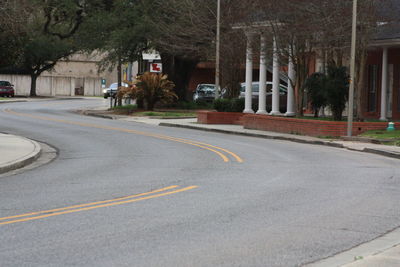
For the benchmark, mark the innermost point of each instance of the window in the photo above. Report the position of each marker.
(5, 83)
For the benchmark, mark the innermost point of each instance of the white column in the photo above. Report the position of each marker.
(290, 92)
(249, 74)
(384, 84)
(275, 82)
(262, 95)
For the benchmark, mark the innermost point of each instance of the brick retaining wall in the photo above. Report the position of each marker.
(210, 117)
(309, 127)
(289, 125)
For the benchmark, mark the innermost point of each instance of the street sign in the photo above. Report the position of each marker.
(103, 83)
(156, 67)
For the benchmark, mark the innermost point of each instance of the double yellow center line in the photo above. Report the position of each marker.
(94, 205)
(221, 152)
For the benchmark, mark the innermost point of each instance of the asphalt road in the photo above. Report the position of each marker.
(130, 194)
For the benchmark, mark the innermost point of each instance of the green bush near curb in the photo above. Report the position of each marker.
(229, 105)
(125, 109)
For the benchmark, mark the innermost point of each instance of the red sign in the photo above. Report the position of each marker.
(156, 67)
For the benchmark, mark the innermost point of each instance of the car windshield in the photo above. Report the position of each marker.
(5, 83)
(206, 88)
(256, 88)
(115, 85)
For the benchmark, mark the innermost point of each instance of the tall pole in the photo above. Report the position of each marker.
(217, 54)
(352, 71)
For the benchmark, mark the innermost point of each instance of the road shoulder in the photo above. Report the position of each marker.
(382, 251)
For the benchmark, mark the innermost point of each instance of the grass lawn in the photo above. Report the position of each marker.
(313, 118)
(331, 119)
(382, 134)
(126, 110)
(132, 110)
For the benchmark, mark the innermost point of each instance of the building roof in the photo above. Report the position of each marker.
(388, 31)
(389, 28)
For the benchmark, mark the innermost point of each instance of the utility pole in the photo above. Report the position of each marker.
(217, 54)
(352, 71)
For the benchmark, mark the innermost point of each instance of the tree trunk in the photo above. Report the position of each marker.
(179, 70)
(316, 112)
(359, 86)
(33, 84)
(150, 105)
(119, 71)
(301, 77)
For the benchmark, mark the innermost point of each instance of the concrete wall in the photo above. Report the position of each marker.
(54, 86)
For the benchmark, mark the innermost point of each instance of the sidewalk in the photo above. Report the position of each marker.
(17, 152)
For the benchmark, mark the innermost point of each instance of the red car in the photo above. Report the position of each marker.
(6, 89)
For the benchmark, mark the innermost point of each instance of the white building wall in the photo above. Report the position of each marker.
(53, 86)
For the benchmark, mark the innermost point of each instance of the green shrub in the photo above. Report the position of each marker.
(198, 104)
(188, 105)
(223, 105)
(127, 109)
(231, 105)
(337, 89)
(315, 86)
(254, 105)
(330, 90)
(237, 104)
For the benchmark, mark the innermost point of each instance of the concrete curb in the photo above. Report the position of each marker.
(391, 154)
(12, 101)
(362, 254)
(94, 114)
(23, 161)
(284, 138)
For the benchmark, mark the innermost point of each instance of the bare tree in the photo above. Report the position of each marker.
(306, 29)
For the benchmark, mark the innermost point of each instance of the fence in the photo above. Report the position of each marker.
(55, 86)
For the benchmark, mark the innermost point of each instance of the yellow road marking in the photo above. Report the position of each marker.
(99, 206)
(238, 159)
(184, 141)
(88, 204)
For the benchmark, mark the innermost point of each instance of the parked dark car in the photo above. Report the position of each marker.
(204, 92)
(6, 89)
(255, 93)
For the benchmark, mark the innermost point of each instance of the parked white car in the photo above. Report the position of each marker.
(255, 93)
(255, 88)
(112, 90)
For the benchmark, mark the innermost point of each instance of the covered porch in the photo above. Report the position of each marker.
(260, 36)
(381, 92)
